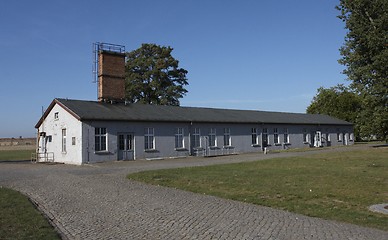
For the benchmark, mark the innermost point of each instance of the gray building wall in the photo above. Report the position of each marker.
(240, 137)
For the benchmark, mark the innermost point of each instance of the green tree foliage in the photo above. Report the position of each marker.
(365, 56)
(153, 76)
(339, 101)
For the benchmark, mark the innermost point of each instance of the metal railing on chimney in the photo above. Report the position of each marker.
(99, 46)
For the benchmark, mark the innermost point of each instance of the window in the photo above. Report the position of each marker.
(197, 138)
(339, 135)
(179, 138)
(254, 136)
(305, 136)
(73, 141)
(327, 135)
(64, 140)
(265, 137)
(227, 138)
(285, 134)
(275, 136)
(149, 139)
(56, 115)
(121, 142)
(100, 139)
(212, 138)
(125, 142)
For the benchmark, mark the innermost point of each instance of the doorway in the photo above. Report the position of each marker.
(125, 146)
(264, 139)
(318, 139)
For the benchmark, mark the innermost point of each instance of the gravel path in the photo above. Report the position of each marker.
(98, 202)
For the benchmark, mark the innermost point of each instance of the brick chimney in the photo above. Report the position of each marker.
(111, 75)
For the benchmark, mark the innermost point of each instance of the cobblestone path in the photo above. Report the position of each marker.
(98, 202)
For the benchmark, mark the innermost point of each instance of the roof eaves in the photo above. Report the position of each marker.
(45, 114)
(67, 109)
(50, 107)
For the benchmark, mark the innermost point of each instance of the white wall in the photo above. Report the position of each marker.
(53, 128)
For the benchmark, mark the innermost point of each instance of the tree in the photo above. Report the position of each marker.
(340, 102)
(365, 56)
(153, 76)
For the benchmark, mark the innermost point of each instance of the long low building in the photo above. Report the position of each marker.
(77, 132)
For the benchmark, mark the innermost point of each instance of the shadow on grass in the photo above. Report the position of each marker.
(14, 161)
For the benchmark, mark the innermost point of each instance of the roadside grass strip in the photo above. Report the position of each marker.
(19, 219)
(12, 155)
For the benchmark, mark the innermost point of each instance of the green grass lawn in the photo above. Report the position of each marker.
(20, 220)
(336, 186)
(12, 155)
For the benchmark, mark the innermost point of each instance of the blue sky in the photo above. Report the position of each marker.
(246, 54)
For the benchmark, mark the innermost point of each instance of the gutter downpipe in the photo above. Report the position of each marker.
(261, 138)
(190, 147)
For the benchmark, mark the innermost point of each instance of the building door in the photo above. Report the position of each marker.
(264, 139)
(318, 139)
(125, 146)
(42, 142)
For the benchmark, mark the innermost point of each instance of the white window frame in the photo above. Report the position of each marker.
(197, 138)
(305, 136)
(275, 136)
(286, 136)
(227, 138)
(64, 133)
(179, 138)
(149, 139)
(255, 137)
(100, 139)
(339, 135)
(213, 137)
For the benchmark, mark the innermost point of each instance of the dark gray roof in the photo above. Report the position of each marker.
(92, 110)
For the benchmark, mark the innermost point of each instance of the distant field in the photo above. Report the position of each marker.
(337, 185)
(7, 144)
(18, 147)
